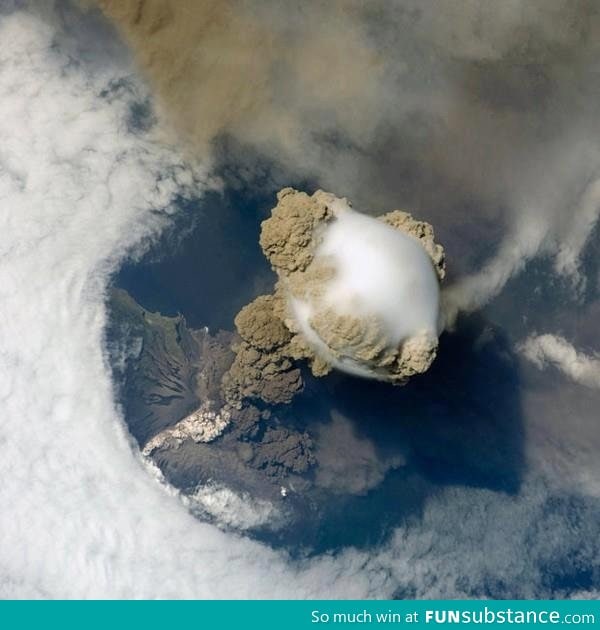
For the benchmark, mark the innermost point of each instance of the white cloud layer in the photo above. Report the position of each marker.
(546, 350)
(81, 516)
(232, 509)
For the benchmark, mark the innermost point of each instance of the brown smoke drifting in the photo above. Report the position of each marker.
(272, 338)
(254, 70)
(479, 116)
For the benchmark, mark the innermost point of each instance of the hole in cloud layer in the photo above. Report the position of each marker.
(483, 472)
(448, 447)
(460, 424)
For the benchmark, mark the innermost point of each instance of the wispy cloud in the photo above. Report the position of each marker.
(552, 350)
(570, 249)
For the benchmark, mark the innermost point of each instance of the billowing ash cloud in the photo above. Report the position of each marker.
(354, 292)
(362, 293)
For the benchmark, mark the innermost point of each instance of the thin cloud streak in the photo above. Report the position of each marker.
(553, 350)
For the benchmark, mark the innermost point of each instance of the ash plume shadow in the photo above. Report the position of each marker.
(459, 423)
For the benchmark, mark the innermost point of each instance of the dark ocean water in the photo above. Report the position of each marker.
(207, 265)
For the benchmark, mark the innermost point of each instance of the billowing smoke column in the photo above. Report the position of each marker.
(354, 292)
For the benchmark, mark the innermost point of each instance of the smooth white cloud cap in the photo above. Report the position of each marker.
(381, 272)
